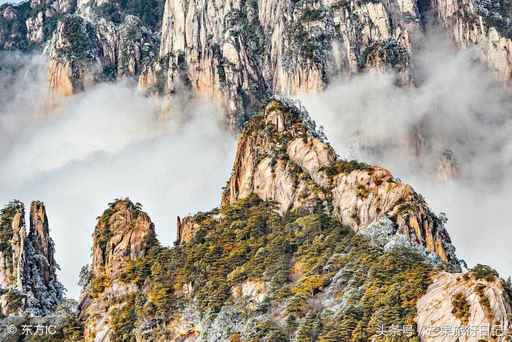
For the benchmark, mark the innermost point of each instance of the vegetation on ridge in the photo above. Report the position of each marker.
(301, 260)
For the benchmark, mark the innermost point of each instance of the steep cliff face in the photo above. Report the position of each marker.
(304, 247)
(281, 157)
(28, 279)
(241, 51)
(13, 238)
(480, 23)
(477, 299)
(123, 234)
(30, 24)
(85, 51)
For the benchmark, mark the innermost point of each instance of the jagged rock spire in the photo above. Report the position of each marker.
(40, 236)
(124, 232)
(12, 239)
(28, 269)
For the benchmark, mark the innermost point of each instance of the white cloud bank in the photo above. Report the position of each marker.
(108, 143)
(457, 105)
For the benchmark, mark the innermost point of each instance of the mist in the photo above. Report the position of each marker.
(457, 106)
(108, 143)
(82, 152)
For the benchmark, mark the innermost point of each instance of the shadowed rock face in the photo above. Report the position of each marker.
(28, 267)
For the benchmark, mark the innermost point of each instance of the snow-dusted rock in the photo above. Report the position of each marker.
(28, 278)
(461, 307)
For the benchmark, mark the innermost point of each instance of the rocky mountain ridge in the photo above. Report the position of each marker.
(280, 259)
(304, 246)
(242, 52)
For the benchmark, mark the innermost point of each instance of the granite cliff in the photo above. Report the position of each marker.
(305, 246)
(28, 279)
(242, 52)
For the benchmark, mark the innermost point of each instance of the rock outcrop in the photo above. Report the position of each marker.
(30, 24)
(84, 52)
(474, 306)
(305, 246)
(28, 278)
(124, 233)
(239, 52)
(282, 157)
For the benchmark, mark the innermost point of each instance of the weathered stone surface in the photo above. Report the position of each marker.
(186, 229)
(83, 52)
(28, 278)
(28, 25)
(13, 239)
(239, 52)
(481, 303)
(482, 24)
(281, 157)
(124, 232)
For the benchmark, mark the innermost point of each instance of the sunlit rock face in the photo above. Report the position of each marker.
(124, 233)
(28, 279)
(239, 52)
(301, 235)
(470, 300)
(282, 157)
(83, 53)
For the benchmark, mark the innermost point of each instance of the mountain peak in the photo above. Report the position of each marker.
(281, 156)
(124, 232)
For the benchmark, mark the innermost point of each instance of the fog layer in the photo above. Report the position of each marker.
(105, 144)
(457, 106)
